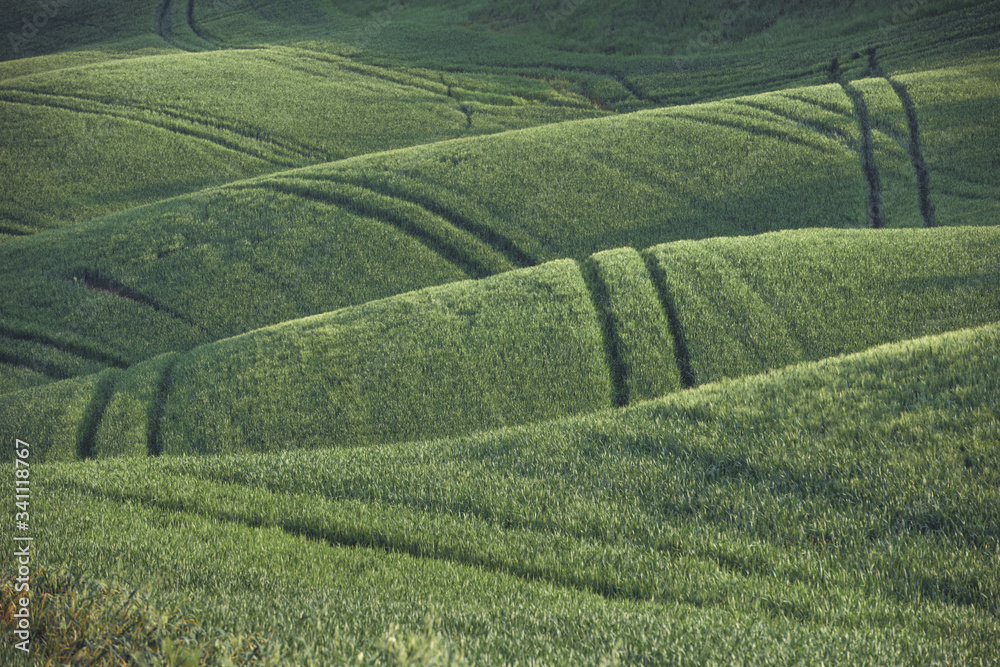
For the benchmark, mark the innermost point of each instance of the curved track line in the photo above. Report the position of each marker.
(612, 341)
(194, 25)
(76, 349)
(681, 352)
(97, 281)
(755, 132)
(380, 542)
(46, 368)
(155, 425)
(866, 150)
(202, 136)
(292, 149)
(451, 254)
(161, 23)
(916, 155)
(484, 234)
(833, 135)
(94, 414)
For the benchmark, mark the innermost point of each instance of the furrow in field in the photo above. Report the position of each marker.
(866, 150)
(612, 341)
(643, 347)
(351, 66)
(829, 133)
(161, 24)
(155, 427)
(681, 352)
(283, 147)
(193, 25)
(97, 281)
(75, 349)
(486, 235)
(95, 413)
(717, 121)
(527, 556)
(46, 368)
(825, 106)
(447, 248)
(916, 155)
(174, 127)
(11, 230)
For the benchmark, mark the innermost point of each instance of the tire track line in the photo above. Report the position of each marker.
(94, 414)
(753, 132)
(292, 149)
(97, 281)
(451, 253)
(154, 428)
(75, 349)
(831, 134)
(202, 136)
(913, 145)
(612, 341)
(345, 537)
(669, 305)
(866, 150)
(486, 235)
(161, 23)
(46, 368)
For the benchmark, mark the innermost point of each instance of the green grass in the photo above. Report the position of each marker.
(291, 289)
(158, 126)
(959, 151)
(643, 352)
(845, 507)
(52, 417)
(214, 264)
(540, 342)
(746, 305)
(441, 361)
(225, 261)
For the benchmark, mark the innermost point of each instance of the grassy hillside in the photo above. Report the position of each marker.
(846, 507)
(135, 131)
(501, 332)
(307, 241)
(557, 339)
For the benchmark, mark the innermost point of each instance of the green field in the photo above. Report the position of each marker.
(501, 332)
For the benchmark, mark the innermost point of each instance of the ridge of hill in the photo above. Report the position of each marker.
(527, 345)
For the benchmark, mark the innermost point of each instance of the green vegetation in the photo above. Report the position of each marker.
(959, 150)
(162, 125)
(846, 506)
(643, 359)
(53, 417)
(442, 361)
(537, 343)
(751, 304)
(82, 621)
(502, 332)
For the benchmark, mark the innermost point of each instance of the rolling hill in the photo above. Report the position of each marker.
(501, 332)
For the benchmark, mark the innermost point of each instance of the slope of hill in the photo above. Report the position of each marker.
(557, 339)
(302, 242)
(132, 131)
(289, 291)
(846, 507)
